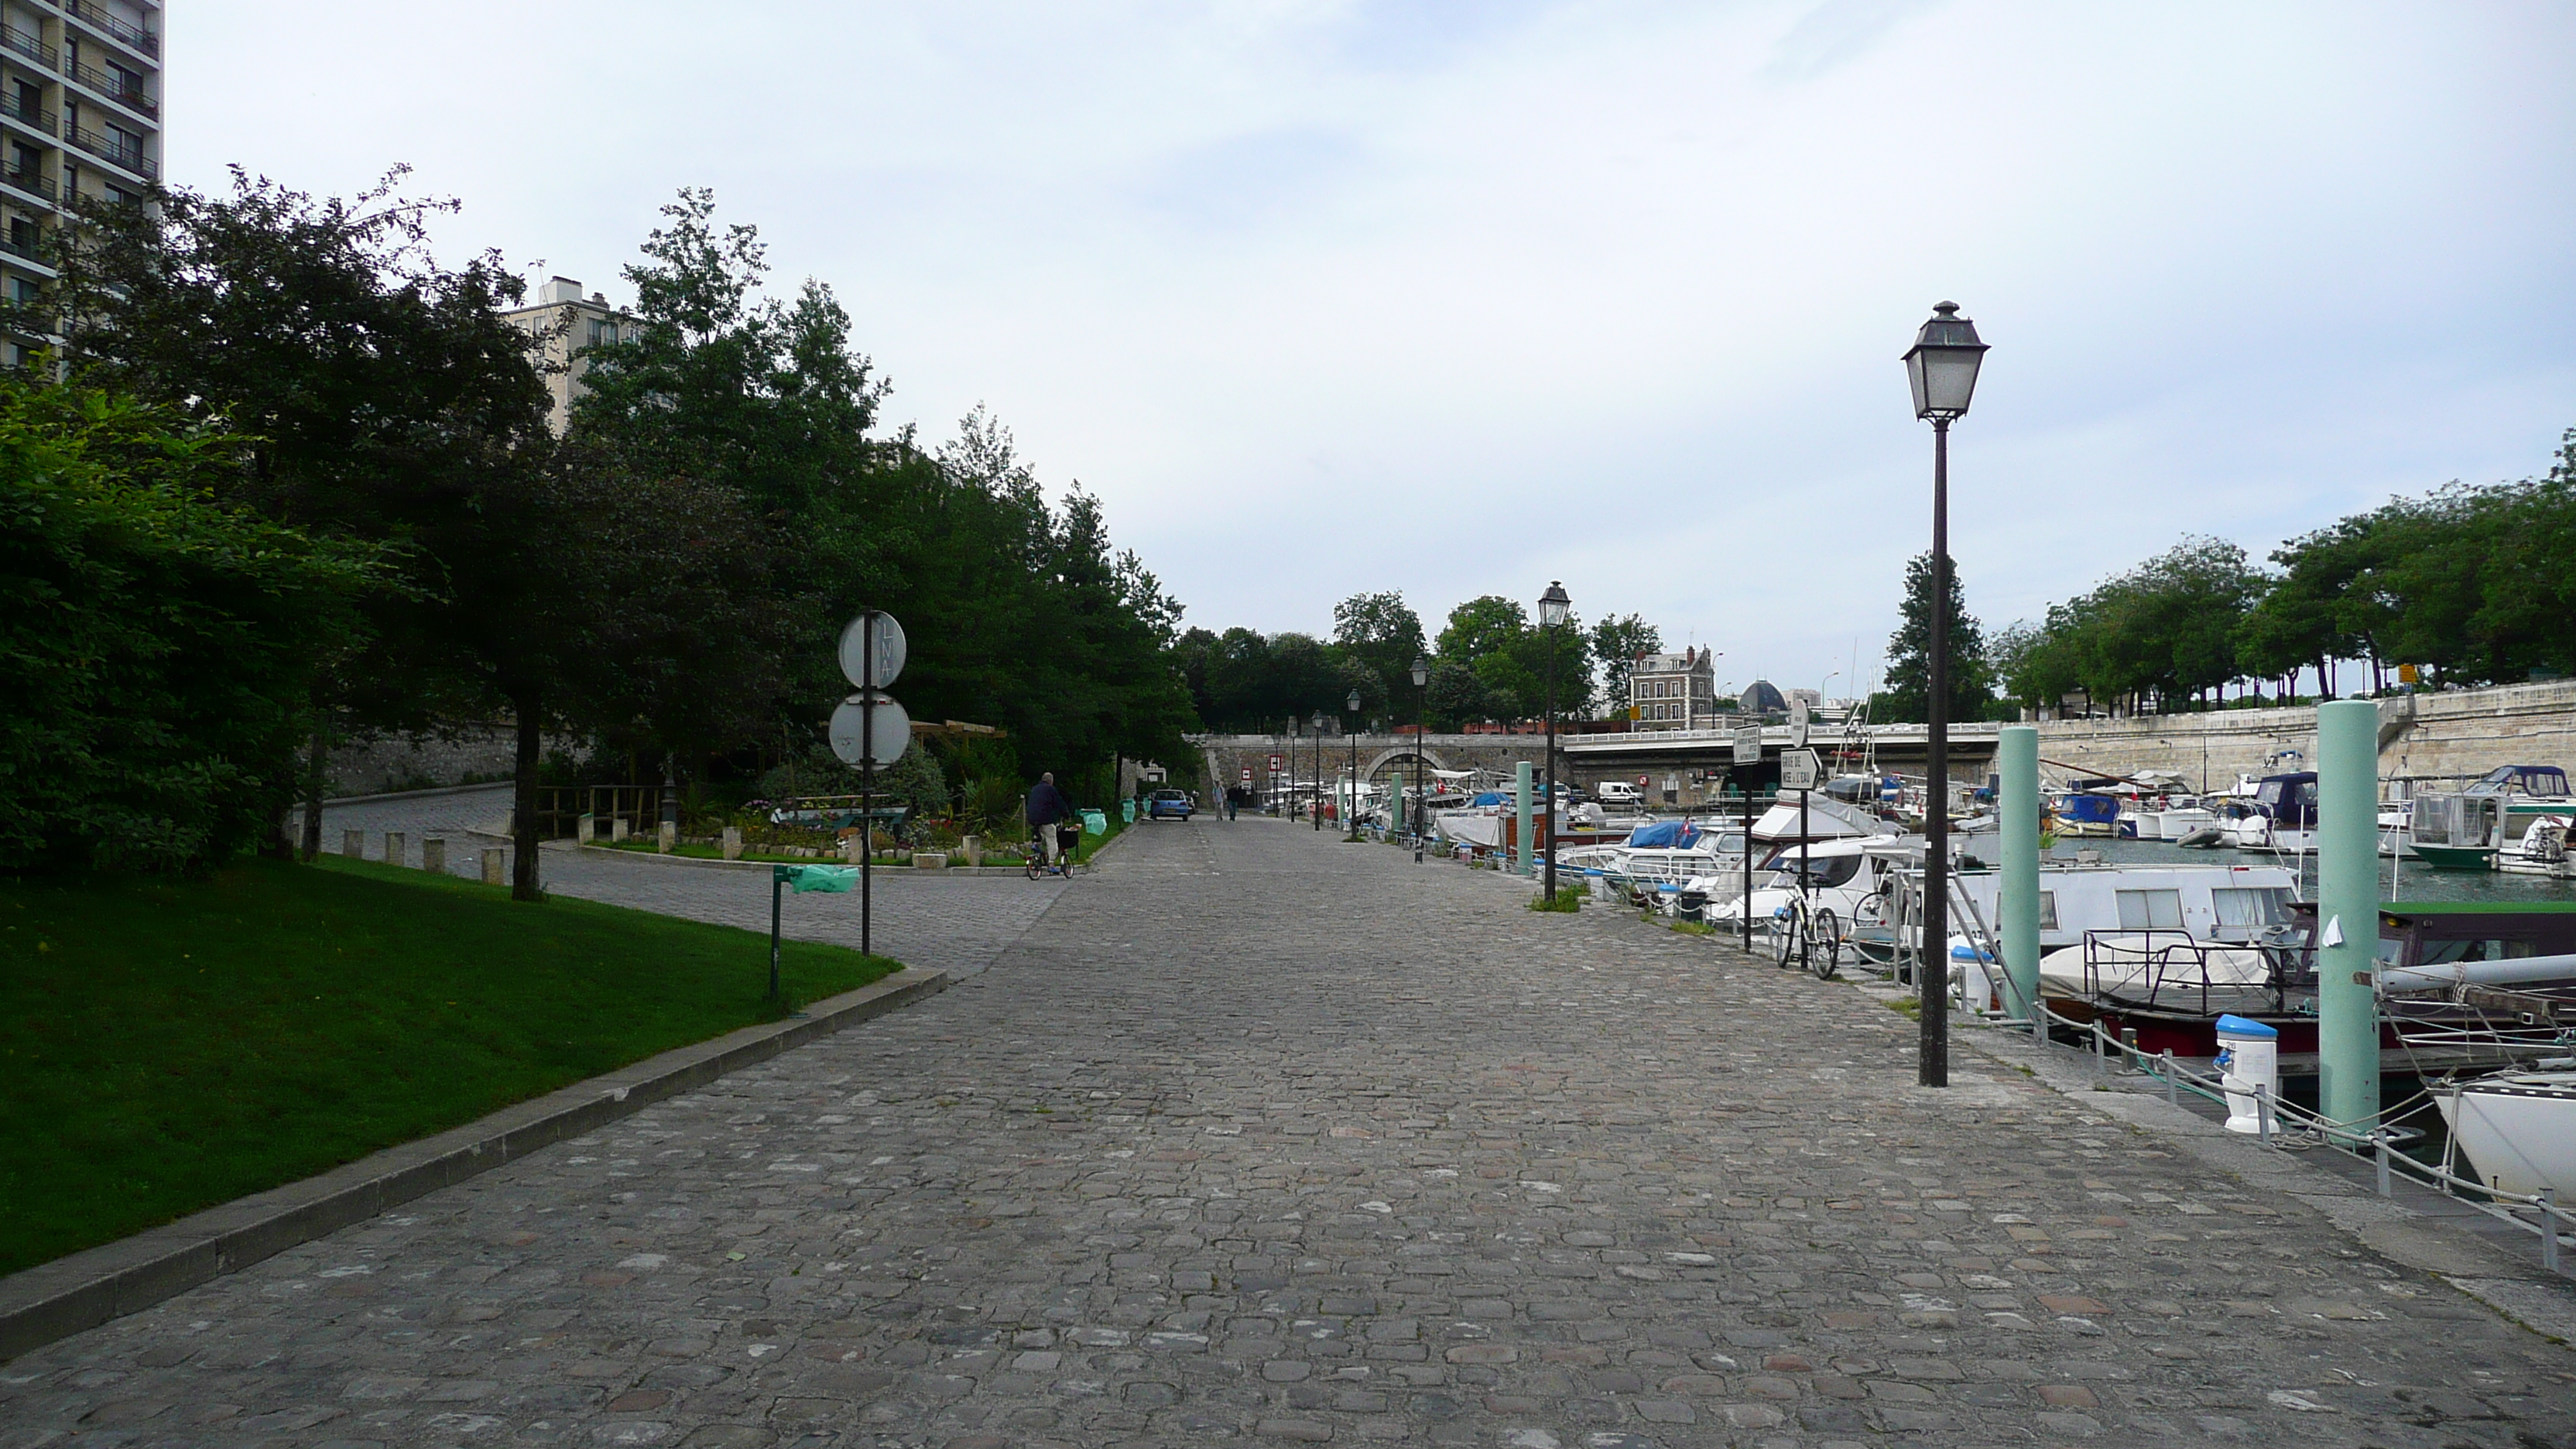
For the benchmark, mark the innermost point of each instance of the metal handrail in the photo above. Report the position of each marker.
(99, 146)
(34, 116)
(130, 97)
(91, 14)
(29, 181)
(12, 38)
(2342, 1138)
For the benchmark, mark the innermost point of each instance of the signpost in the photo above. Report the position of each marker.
(870, 729)
(1798, 721)
(1748, 752)
(1798, 772)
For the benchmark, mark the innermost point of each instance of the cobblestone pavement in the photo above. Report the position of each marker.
(1266, 1138)
(956, 923)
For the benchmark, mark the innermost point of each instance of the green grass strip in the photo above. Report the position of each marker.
(166, 1046)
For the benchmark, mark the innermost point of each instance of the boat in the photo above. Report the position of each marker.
(2517, 1128)
(2543, 849)
(2283, 818)
(2471, 829)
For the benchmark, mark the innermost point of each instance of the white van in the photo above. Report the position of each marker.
(1617, 792)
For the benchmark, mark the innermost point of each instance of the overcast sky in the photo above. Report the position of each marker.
(1458, 298)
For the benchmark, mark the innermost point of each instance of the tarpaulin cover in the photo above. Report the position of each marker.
(1493, 797)
(1665, 835)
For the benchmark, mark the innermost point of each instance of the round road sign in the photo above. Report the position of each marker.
(887, 636)
(889, 734)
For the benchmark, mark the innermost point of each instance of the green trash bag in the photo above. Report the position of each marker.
(1127, 811)
(832, 878)
(1094, 823)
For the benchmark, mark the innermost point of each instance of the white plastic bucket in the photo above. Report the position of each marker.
(2249, 1055)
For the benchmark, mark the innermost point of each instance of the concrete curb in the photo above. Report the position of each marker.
(55, 1300)
(612, 853)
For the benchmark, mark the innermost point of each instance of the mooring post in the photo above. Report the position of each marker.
(2379, 1153)
(2017, 760)
(2173, 1093)
(2347, 826)
(2263, 1113)
(2549, 1228)
(1522, 786)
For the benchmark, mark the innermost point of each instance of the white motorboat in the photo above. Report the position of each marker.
(2517, 1129)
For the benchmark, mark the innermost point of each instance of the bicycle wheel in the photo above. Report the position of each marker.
(1784, 940)
(1825, 949)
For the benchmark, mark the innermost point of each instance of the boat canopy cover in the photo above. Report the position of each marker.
(1664, 835)
(1827, 819)
(1493, 797)
(2091, 809)
(2546, 780)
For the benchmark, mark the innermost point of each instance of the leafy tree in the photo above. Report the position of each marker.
(1616, 643)
(1381, 635)
(1909, 652)
(157, 648)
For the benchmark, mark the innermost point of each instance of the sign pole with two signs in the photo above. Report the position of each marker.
(1748, 753)
(1798, 772)
(870, 729)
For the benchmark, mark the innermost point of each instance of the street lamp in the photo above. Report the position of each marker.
(1351, 812)
(1288, 796)
(1942, 369)
(1421, 701)
(1553, 606)
(1319, 771)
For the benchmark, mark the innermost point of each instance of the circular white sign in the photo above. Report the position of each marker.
(887, 636)
(888, 736)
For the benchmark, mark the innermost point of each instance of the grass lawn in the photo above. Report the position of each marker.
(166, 1046)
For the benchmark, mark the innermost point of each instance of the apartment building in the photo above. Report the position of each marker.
(569, 325)
(1673, 691)
(80, 116)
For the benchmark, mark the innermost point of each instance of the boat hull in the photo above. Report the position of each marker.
(2518, 1138)
(2455, 857)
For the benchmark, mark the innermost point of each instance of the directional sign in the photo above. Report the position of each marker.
(1798, 721)
(886, 737)
(886, 636)
(1748, 747)
(1798, 769)
(1247, 774)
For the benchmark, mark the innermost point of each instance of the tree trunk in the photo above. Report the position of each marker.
(315, 766)
(523, 807)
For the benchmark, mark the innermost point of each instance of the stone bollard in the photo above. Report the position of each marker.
(929, 860)
(973, 848)
(733, 842)
(617, 827)
(433, 855)
(666, 837)
(495, 866)
(588, 830)
(353, 844)
(850, 847)
(394, 851)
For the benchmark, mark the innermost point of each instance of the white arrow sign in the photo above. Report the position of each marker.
(1798, 769)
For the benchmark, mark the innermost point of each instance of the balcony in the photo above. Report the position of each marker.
(91, 14)
(19, 41)
(33, 117)
(129, 96)
(114, 153)
(26, 251)
(29, 182)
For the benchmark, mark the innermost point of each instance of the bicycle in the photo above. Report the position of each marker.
(1807, 936)
(1068, 838)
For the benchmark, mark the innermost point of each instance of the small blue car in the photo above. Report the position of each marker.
(1169, 805)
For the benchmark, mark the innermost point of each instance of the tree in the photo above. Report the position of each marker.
(1909, 659)
(1617, 642)
(1382, 636)
(157, 648)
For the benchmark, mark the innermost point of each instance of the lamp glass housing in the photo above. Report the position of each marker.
(1353, 703)
(1553, 606)
(1941, 367)
(1421, 671)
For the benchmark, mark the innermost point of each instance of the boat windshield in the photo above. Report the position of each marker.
(1822, 870)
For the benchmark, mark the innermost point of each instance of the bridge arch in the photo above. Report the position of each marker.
(1405, 753)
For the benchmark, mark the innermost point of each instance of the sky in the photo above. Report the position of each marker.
(1461, 298)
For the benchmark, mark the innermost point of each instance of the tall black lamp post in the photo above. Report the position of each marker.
(1351, 811)
(1942, 367)
(1553, 606)
(1288, 797)
(1421, 801)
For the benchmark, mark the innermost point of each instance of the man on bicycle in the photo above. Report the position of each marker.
(1047, 808)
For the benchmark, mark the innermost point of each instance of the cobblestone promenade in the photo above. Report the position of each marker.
(1260, 1137)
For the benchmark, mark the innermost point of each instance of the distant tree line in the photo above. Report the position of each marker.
(290, 480)
(2470, 584)
(1489, 665)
